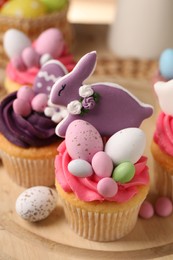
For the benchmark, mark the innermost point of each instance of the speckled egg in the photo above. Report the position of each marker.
(36, 203)
(83, 140)
(126, 145)
(27, 8)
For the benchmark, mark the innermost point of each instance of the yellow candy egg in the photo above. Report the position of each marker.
(26, 8)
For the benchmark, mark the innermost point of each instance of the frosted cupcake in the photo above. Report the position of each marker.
(26, 58)
(162, 143)
(28, 143)
(101, 183)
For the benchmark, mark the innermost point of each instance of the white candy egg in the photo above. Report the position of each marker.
(80, 168)
(126, 145)
(36, 203)
(14, 42)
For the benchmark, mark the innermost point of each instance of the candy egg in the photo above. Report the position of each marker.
(18, 63)
(166, 64)
(20, 42)
(102, 164)
(126, 145)
(124, 172)
(107, 187)
(26, 93)
(80, 168)
(36, 203)
(21, 107)
(53, 5)
(146, 210)
(163, 207)
(39, 102)
(83, 140)
(50, 41)
(30, 57)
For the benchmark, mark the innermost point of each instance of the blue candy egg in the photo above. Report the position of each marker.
(166, 64)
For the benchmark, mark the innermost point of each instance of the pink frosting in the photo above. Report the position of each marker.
(86, 188)
(163, 135)
(28, 76)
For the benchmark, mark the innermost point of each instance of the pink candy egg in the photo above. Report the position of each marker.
(83, 140)
(21, 107)
(50, 41)
(107, 187)
(18, 63)
(146, 211)
(102, 164)
(39, 102)
(26, 93)
(30, 57)
(163, 207)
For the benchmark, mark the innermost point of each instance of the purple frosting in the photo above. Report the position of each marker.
(36, 130)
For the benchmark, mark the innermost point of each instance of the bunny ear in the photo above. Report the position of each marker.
(85, 66)
(14, 42)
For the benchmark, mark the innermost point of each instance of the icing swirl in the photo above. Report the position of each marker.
(163, 135)
(35, 130)
(86, 188)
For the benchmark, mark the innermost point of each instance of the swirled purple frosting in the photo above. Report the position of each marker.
(35, 130)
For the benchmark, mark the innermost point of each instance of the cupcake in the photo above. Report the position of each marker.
(26, 57)
(28, 143)
(101, 174)
(32, 17)
(165, 66)
(162, 143)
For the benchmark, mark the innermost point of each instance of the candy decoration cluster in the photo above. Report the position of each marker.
(112, 162)
(163, 207)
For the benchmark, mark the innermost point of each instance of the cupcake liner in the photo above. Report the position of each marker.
(33, 27)
(27, 172)
(101, 226)
(163, 181)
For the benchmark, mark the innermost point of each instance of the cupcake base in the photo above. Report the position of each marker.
(11, 86)
(29, 167)
(163, 171)
(101, 221)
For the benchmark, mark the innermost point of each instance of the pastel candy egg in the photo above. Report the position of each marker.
(36, 203)
(126, 145)
(146, 210)
(26, 93)
(83, 140)
(102, 164)
(27, 8)
(53, 5)
(20, 42)
(80, 168)
(39, 102)
(30, 57)
(21, 107)
(166, 64)
(163, 207)
(107, 187)
(18, 63)
(50, 41)
(124, 172)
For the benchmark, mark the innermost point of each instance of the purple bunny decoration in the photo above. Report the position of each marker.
(107, 106)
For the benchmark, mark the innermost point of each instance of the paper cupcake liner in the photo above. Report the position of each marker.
(27, 172)
(163, 181)
(33, 27)
(99, 226)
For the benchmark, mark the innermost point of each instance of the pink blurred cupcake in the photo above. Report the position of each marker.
(26, 58)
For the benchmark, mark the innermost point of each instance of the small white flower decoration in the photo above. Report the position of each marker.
(86, 91)
(74, 107)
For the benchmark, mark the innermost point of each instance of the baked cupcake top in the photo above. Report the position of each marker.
(102, 155)
(163, 134)
(26, 117)
(26, 57)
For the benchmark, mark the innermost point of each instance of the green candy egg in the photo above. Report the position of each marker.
(124, 172)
